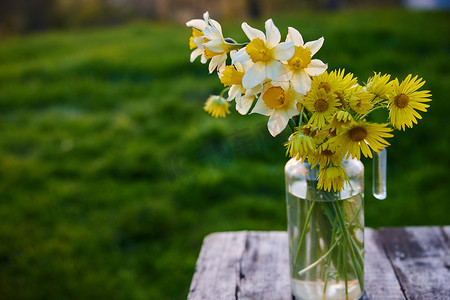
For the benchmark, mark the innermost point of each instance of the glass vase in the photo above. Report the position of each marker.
(326, 233)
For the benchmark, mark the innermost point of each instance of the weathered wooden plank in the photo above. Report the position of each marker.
(265, 267)
(446, 230)
(217, 272)
(380, 281)
(419, 256)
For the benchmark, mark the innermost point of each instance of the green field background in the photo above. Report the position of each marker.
(111, 173)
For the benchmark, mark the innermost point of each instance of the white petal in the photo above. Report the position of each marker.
(195, 54)
(316, 67)
(294, 36)
(214, 63)
(203, 59)
(285, 73)
(211, 33)
(254, 76)
(206, 16)
(261, 108)
(216, 25)
(283, 51)
(244, 105)
(222, 63)
(197, 23)
(198, 41)
(234, 91)
(273, 34)
(277, 122)
(272, 69)
(284, 85)
(314, 46)
(253, 91)
(301, 82)
(240, 56)
(215, 45)
(252, 33)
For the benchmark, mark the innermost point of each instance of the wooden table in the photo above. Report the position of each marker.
(400, 263)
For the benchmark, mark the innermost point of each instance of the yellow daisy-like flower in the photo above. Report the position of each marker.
(361, 102)
(340, 119)
(299, 145)
(324, 155)
(217, 106)
(322, 105)
(361, 137)
(404, 100)
(325, 81)
(379, 85)
(332, 177)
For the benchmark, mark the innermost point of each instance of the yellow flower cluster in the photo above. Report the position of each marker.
(327, 111)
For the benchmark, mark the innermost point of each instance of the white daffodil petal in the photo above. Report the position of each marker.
(254, 76)
(277, 122)
(206, 16)
(285, 73)
(284, 85)
(316, 67)
(252, 33)
(261, 108)
(195, 54)
(211, 33)
(272, 33)
(253, 91)
(244, 105)
(203, 59)
(216, 45)
(197, 23)
(214, 63)
(240, 56)
(283, 51)
(314, 46)
(272, 69)
(216, 25)
(222, 63)
(301, 82)
(198, 41)
(294, 36)
(234, 91)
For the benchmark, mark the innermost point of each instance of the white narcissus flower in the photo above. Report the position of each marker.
(198, 38)
(265, 54)
(279, 101)
(216, 48)
(301, 66)
(232, 77)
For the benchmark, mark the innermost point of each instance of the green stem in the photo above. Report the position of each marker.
(303, 236)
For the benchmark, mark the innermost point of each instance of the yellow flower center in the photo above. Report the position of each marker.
(326, 86)
(274, 97)
(327, 153)
(258, 51)
(300, 59)
(358, 134)
(231, 76)
(320, 105)
(195, 33)
(210, 54)
(401, 100)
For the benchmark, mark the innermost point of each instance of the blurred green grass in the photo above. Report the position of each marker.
(111, 173)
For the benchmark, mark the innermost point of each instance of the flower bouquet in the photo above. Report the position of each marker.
(327, 114)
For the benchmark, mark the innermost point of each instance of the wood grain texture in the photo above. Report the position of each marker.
(380, 281)
(265, 267)
(217, 273)
(420, 257)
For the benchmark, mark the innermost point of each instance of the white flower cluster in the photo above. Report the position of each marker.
(275, 74)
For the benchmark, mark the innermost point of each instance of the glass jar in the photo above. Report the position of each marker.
(326, 233)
